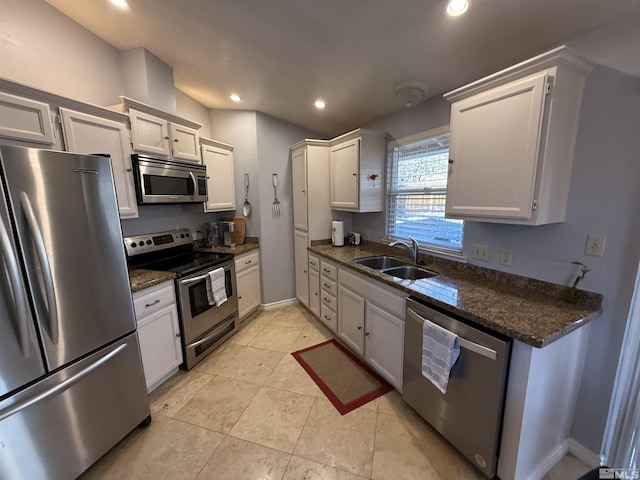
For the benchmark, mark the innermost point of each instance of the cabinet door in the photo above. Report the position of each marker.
(314, 292)
(495, 139)
(248, 283)
(299, 174)
(25, 119)
(160, 347)
(150, 134)
(89, 134)
(220, 184)
(185, 143)
(351, 319)
(384, 344)
(344, 175)
(302, 261)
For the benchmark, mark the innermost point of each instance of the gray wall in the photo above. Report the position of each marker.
(604, 198)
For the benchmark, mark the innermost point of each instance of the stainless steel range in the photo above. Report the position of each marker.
(204, 327)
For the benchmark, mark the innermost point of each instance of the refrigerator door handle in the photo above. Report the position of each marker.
(61, 387)
(19, 297)
(44, 263)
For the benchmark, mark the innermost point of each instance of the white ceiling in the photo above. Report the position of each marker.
(281, 55)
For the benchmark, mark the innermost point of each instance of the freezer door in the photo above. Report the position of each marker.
(66, 216)
(58, 427)
(20, 358)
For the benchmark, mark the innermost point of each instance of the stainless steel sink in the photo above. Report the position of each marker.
(409, 272)
(379, 263)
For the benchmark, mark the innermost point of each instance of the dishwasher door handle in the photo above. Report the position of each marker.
(477, 348)
(463, 342)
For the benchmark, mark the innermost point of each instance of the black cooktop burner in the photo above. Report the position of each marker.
(184, 265)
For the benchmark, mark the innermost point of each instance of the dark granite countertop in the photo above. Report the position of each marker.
(525, 309)
(251, 243)
(139, 278)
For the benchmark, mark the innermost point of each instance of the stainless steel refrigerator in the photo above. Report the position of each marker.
(71, 379)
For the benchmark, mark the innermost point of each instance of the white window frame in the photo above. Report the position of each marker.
(417, 137)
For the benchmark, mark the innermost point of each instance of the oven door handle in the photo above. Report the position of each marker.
(213, 334)
(190, 281)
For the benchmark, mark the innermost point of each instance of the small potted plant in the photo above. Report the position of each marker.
(571, 294)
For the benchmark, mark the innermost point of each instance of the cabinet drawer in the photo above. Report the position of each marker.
(314, 263)
(329, 286)
(249, 260)
(329, 300)
(153, 299)
(328, 270)
(329, 317)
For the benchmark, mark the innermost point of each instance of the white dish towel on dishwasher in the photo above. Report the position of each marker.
(440, 350)
(216, 289)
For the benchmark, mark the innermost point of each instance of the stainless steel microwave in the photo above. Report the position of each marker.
(168, 181)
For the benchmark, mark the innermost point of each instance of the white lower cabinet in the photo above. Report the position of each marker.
(301, 242)
(248, 283)
(371, 323)
(158, 332)
(314, 291)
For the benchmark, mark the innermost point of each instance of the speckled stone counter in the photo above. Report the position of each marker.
(251, 243)
(139, 279)
(528, 310)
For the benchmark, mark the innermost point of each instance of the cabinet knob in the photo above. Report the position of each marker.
(177, 335)
(166, 138)
(239, 298)
(355, 174)
(176, 140)
(450, 161)
(359, 327)
(129, 169)
(366, 334)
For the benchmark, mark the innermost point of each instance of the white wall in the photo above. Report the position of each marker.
(42, 48)
(604, 198)
(189, 108)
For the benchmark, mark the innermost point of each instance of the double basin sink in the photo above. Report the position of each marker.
(395, 267)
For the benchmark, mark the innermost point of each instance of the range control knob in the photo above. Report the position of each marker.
(187, 235)
(134, 245)
(149, 242)
(141, 243)
(182, 235)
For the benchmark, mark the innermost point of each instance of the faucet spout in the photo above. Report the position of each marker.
(413, 248)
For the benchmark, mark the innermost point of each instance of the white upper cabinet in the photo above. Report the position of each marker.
(84, 133)
(310, 173)
(185, 143)
(25, 119)
(150, 134)
(357, 171)
(221, 193)
(512, 141)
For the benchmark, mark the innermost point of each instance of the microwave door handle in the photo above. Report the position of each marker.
(194, 182)
(41, 251)
(18, 295)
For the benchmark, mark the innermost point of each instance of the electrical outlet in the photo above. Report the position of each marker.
(481, 252)
(595, 245)
(506, 258)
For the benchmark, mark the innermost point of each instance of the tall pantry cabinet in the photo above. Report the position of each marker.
(311, 210)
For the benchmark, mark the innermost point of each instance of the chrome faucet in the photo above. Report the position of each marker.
(413, 248)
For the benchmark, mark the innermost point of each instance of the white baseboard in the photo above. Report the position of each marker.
(582, 453)
(549, 462)
(280, 304)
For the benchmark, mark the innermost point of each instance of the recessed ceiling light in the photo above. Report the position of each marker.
(120, 3)
(456, 8)
(234, 97)
(320, 104)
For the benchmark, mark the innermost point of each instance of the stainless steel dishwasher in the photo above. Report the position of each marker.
(469, 415)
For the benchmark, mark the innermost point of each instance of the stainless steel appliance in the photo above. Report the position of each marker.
(160, 180)
(71, 378)
(203, 327)
(469, 415)
(218, 234)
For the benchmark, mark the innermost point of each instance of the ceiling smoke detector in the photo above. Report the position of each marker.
(411, 92)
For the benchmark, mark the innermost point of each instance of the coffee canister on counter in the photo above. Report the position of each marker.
(337, 233)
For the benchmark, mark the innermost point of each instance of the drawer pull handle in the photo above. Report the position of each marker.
(328, 319)
(152, 304)
(248, 262)
(326, 270)
(326, 285)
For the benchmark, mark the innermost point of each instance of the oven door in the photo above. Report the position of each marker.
(197, 315)
(165, 181)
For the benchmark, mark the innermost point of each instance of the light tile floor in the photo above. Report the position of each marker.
(249, 411)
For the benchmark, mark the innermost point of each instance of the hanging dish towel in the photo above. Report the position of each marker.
(440, 350)
(216, 290)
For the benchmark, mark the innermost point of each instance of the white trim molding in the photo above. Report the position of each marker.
(582, 453)
(279, 304)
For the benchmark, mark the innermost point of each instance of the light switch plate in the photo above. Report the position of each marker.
(595, 245)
